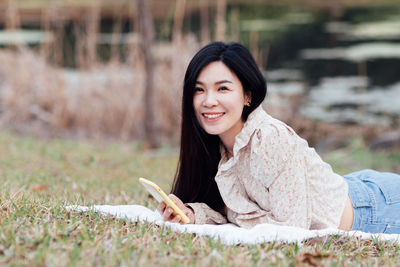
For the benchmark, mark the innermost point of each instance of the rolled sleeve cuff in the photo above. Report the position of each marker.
(205, 215)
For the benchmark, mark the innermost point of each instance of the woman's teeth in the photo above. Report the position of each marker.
(212, 116)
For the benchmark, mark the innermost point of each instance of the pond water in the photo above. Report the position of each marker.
(349, 72)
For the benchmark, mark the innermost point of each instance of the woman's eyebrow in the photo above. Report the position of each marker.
(223, 81)
(218, 82)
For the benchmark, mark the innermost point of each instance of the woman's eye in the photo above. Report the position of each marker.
(223, 88)
(198, 89)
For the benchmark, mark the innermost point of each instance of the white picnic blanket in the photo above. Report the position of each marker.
(228, 234)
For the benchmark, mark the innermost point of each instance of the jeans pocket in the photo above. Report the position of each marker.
(359, 193)
(388, 183)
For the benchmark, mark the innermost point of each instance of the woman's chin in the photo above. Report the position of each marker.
(212, 131)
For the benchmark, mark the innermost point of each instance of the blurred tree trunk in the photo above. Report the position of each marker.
(178, 20)
(51, 23)
(254, 40)
(134, 49)
(45, 24)
(135, 61)
(116, 34)
(234, 20)
(80, 42)
(93, 24)
(205, 22)
(12, 16)
(147, 37)
(220, 20)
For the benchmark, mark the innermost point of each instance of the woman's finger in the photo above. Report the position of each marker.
(161, 207)
(187, 211)
(177, 201)
(167, 214)
(176, 219)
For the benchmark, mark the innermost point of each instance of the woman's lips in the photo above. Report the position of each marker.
(212, 116)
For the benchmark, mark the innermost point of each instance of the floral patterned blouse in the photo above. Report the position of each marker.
(275, 177)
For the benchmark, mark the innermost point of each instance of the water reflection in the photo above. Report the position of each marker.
(342, 99)
(353, 78)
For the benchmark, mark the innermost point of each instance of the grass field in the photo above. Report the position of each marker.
(38, 177)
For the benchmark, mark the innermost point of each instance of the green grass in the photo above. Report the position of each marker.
(357, 157)
(37, 177)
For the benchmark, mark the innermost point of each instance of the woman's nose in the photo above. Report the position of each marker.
(210, 99)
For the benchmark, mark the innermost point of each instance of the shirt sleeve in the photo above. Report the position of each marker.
(205, 215)
(278, 165)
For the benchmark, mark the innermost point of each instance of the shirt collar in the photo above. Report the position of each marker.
(252, 124)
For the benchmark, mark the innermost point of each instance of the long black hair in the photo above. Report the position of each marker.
(200, 151)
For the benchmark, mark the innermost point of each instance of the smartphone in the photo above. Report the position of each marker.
(159, 195)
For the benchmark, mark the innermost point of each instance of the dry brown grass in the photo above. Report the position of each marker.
(104, 100)
(96, 99)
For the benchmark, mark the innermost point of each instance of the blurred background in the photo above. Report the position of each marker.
(113, 69)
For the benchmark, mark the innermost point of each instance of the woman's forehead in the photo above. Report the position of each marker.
(215, 72)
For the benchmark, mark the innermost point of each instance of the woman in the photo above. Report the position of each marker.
(239, 164)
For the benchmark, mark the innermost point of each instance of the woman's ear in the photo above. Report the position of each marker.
(247, 97)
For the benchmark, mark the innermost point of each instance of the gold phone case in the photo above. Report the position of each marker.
(159, 195)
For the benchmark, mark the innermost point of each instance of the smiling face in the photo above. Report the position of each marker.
(218, 102)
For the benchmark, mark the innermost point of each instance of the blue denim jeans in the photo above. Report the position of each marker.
(376, 201)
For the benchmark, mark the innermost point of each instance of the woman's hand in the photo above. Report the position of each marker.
(166, 212)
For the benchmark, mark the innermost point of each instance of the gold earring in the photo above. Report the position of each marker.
(247, 104)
